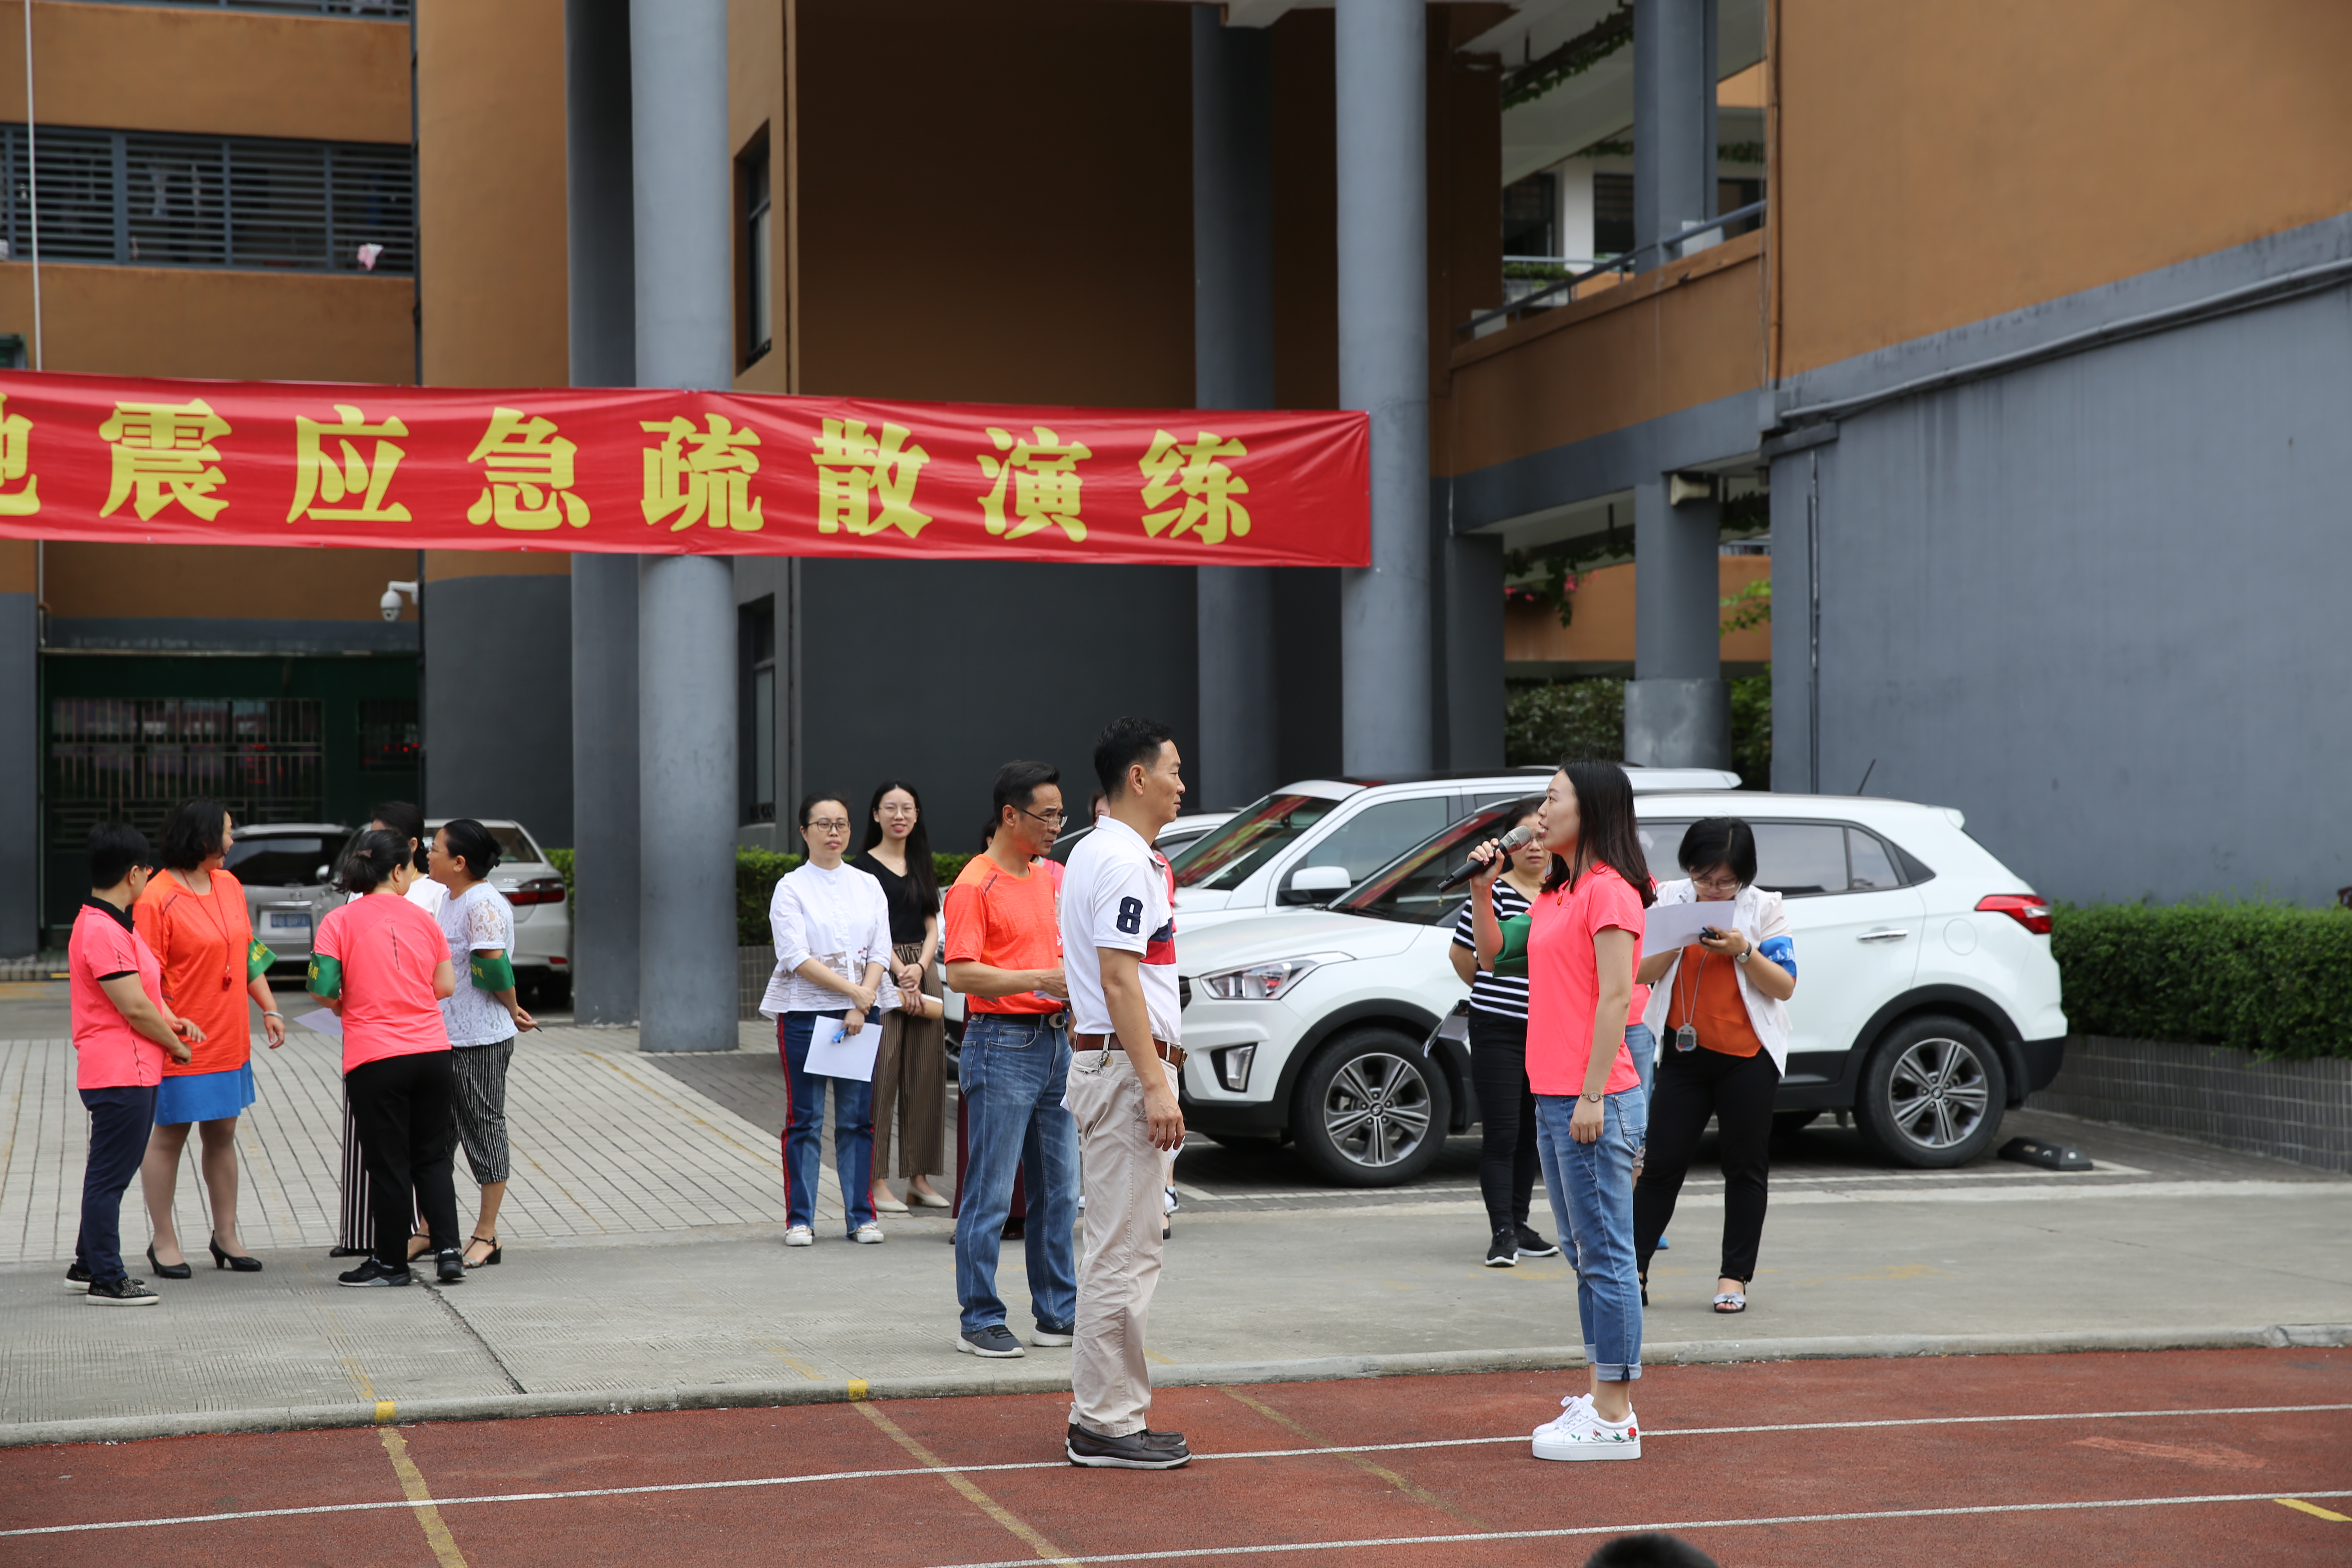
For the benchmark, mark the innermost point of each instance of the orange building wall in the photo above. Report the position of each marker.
(1602, 631)
(221, 72)
(759, 103)
(491, 202)
(1672, 339)
(1944, 160)
(215, 583)
(19, 566)
(236, 326)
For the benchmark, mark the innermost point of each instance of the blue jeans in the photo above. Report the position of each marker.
(1591, 1188)
(1643, 1045)
(119, 1120)
(1011, 1075)
(852, 1129)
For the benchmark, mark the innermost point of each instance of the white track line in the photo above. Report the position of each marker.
(1254, 1453)
(1662, 1524)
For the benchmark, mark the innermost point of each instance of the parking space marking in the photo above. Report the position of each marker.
(1859, 1517)
(935, 1469)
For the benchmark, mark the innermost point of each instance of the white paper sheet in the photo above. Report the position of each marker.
(1672, 926)
(833, 1054)
(326, 1023)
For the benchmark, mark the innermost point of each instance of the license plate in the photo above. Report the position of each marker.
(290, 922)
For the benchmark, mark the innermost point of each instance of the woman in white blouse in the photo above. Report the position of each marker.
(832, 928)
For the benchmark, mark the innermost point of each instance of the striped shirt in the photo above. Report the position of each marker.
(1506, 995)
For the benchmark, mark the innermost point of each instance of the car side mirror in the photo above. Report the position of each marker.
(1316, 885)
(320, 876)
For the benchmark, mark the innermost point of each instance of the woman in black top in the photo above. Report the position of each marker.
(911, 1063)
(1508, 1165)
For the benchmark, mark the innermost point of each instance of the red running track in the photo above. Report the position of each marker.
(1953, 1474)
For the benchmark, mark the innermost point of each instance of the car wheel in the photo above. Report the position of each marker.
(1932, 1093)
(1372, 1110)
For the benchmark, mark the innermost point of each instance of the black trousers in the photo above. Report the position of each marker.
(120, 1122)
(1507, 1162)
(408, 1134)
(1738, 1091)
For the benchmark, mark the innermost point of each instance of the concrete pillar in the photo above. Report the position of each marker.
(1674, 120)
(602, 252)
(1379, 57)
(1233, 356)
(1678, 710)
(685, 604)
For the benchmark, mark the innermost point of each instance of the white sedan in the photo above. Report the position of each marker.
(1927, 1001)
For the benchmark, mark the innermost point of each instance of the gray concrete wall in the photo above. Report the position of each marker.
(20, 776)
(2097, 602)
(497, 701)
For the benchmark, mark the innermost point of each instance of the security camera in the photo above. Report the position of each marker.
(390, 602)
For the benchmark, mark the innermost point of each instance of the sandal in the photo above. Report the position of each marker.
(1730, 1301)
(415, 1251)
(496, 1251)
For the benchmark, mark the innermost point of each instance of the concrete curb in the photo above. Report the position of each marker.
(1321, 1369)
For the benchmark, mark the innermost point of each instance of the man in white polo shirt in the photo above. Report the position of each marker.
(1118, 954)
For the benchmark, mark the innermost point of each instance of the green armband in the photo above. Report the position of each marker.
(493, 973)
(326, 976)
(258, 959)
(1513, 959)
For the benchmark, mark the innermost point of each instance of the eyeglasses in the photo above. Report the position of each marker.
(1717, 884)
(829, 824)
(1050, 818)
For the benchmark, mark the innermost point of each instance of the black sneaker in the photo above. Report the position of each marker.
(451, 1266)
(1048, 1335)
(77, 1278)
(1503, 1251)
(375, 1271)
(995, 1341)
(123, 1293)
(1534, 1246)
(1136, 1451)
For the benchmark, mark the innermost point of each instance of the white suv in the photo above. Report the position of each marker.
(1308, 843)
(1927, 1000)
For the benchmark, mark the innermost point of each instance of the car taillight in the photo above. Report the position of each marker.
(537, 890)
(2027, 910)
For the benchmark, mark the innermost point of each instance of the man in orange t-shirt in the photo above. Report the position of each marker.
(1003, 953)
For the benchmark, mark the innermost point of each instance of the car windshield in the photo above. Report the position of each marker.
(281, 860)
(1406, 888)
(1227, 858)
(514, 844)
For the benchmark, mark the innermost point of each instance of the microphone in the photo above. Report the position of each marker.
(1514, 839)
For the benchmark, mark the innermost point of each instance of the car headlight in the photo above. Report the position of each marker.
(1267, 981)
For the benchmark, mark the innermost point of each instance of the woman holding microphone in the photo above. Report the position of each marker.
(1591, 1113)
(1720, 1005)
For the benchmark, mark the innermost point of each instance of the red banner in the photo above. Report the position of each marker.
(659, 472)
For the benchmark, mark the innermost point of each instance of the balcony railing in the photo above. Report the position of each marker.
(1539, 294)
(367, 10)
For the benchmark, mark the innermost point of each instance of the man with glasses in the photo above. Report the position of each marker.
(1003, 953)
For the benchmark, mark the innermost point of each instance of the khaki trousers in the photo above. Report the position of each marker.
(1119, 1266)
(911, 1086)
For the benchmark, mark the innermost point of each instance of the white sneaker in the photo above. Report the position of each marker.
(1580, 1433)
(799, 1236)
(868, 1234)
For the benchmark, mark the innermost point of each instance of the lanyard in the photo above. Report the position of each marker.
(220, 923)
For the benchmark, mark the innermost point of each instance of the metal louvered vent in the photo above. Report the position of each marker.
(140, 198)
(366, 10)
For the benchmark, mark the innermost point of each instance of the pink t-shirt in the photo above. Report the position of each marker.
(1564, 979)
(389, 948)
(110, 1053)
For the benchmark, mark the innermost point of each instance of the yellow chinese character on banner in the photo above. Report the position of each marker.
(16, 456)
(321, 478)
(1044, 475)
(1207, 485)
(161, 447)
(529, 482)
(854, 468)
(712, 480)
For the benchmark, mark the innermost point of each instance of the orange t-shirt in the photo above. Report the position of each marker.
(203, 939)
(1707, 995)
(1006, 922)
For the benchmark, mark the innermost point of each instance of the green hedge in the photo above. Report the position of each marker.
(1546, 721)
(2268, 978)
(756, 872)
